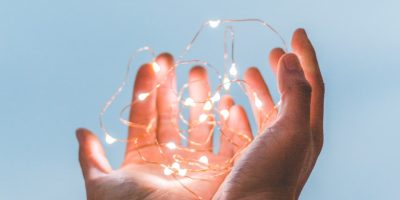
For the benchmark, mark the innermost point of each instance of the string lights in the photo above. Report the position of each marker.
(174, 162)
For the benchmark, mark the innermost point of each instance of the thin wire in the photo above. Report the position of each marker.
(209, 170)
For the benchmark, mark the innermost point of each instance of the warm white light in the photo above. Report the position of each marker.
(216, 97)
(175, 165)
(257, 101)
(189, 102)
(110, 139)
(207, 106)
(156, 67)
(171, 145)
(233, 71)
(182, 172)
(204, 160)
(214, 23)
(203, 117)
(168, 171)
(143, 96)
(224, 113)
(227, 83)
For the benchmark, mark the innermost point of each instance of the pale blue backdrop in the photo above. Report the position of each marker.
(60, 61)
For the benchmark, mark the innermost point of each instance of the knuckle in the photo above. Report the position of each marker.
(303, 87)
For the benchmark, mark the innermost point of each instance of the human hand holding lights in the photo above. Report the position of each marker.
(275, 165)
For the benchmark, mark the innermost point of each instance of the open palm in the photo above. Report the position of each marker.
(275, 165)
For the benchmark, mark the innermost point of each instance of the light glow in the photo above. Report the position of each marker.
(227, 83)
(204, 160)
(233, 70)
(216, 97)
(224, 113)
(168, 171)
(182, 172)
(176, 166)
(203, 117)
(110, 139)
(143, 96)
(171, 145)
(214, 23)
(207, 106)
(156, 67)
(189, 102)
(257, 101)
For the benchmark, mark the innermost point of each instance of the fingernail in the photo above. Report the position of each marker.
(291, 62)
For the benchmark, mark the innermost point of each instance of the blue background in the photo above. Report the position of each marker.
(61, 60)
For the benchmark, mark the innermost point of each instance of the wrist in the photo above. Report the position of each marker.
(277, 194)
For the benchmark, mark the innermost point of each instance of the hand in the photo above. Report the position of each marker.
(276, 164)
(139, 180)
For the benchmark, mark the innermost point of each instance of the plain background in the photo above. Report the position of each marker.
(61, 60)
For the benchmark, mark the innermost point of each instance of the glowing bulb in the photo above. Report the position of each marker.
(203, 117)
(233, 71)
(189, 102)
(224, 113)
(207, 106)
(216, 97)
(182, 172)
(227, 83)
(156, 67)
(143, 96)
(110, 139)
(168, 171)
(204, 160)
(176, 166)
(257, 101)
(214, 23)
(171, 145)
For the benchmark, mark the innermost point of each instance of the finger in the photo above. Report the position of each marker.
(91, 155)
(143, 109)
(274, 57)
(226, 102)
(199, 90)
(167, 105)
(295, 92)
(257, 88)
(240, 128)
(305, 51)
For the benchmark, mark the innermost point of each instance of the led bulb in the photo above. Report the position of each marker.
(203, 117)
(216, 97)
(204, 160)
(110, 139)
(171, 145)
(224, 113)
(175, 165)
(207, 106)
(182, 172)
(189, 102)
(156, 67)
(143, 96)
(214, 23)
(257, 101)
(227, 83)
(233, 71)
(168, 171)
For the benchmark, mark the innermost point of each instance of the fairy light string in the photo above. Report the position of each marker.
(173, 163)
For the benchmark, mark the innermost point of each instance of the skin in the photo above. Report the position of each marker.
(275, 165)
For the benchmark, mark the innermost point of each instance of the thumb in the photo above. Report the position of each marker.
(295, 92)
(91, 155)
